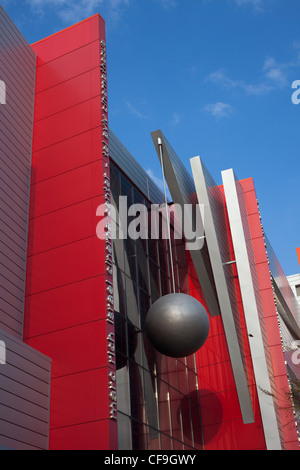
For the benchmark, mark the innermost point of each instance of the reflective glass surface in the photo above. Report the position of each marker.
(158, 401)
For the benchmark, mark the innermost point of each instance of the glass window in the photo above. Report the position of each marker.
(166, 442)
(151, 405)
(154, 280)
(142, 264)
(139, 438)
(130, 265)
(136, 391)
(123, 390)
(126, 189)
(124, 432)
(164, 407)
(119, 291)
(156, 394)
(153, 250)
(153, 438)
(132, 307)
(144, 306)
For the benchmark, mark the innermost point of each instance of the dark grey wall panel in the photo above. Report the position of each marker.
(24, 396)
(17, 71)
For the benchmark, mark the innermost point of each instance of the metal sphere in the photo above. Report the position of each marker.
(177, 325)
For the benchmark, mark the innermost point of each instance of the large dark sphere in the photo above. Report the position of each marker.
(177, 325)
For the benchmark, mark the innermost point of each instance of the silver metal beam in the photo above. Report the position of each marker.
(182, 190)
(247, 275)
(209, 194)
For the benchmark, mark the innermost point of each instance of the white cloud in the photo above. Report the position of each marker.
(135, 111)
(275, 72)
(167, 4)
(274, 77)
(70, 12)
(157, 181)
(219, 110)
(256, 4)
(176, 118)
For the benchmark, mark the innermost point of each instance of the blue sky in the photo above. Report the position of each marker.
(215, 76)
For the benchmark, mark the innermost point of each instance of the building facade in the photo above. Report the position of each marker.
(78, 370)
(294, 281)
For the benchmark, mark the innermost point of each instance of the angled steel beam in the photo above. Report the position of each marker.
(182, 190)
(209, 194)
(243, 249)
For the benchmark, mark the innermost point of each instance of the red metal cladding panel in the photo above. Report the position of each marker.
(68, 269)
(69, 188)
(214, 350)
(75, 404)
(216, 377)
(267, 299)
(234, 435)
(220, 409)
(73, 349)
(65, 307)
(65, 265)
(69, 40)
(68, 66)
(64, 226)
(66, 124)
(251, 202)
(67, 94)
(259, 250)
(271, 323)
(66, 155)
(87, 436)
(298, 253)
(255, 225)
(273, 330)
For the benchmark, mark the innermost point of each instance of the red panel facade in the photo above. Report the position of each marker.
(280, 380)
(223, 427)
(68, 269)
(69, 314)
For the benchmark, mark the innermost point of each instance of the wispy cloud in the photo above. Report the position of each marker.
(157, 181)
(176, 118)
(219, 110)
(221, 78)
(70, 12)
(167, 4)
(273, 76)
(258, 5)
(135, 111)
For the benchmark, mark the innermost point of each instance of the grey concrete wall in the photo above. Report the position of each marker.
(17, 76)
